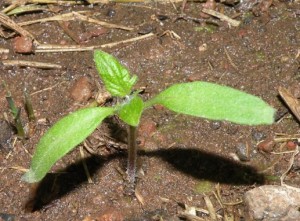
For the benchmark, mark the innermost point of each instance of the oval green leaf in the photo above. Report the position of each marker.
(62, 137)
(131, 112)
(216, 102)
(116, 77)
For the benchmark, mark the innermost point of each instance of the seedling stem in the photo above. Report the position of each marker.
(132, 154)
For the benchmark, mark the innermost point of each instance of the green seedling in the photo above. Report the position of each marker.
(200, 99)
(16, 113)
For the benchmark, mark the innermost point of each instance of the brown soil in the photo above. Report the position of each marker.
(185, 158)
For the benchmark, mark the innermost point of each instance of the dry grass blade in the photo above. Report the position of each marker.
(26, 8)
(10, 7)
(6, 21)
(211, 209)
(62, 17)
(62, 48)
(73, 16)
(291, 101)
(291, 162)
(86, 170)
(110, 45)
(102, 23)
(139, 197)
(47, 89)
(230, 59)
(33, 64)
(71, 48)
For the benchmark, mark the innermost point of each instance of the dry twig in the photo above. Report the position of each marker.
(46, 89)
(230, 59)
(86, 170)
(211, 209)
(71, 48)
(221, 16)
(291, 101)
(6, 21)
(33, 64)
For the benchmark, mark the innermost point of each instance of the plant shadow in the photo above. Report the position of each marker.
(205, 165)
(190, 161)
(56, 185)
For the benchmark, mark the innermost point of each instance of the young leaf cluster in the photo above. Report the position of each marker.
(200, 99)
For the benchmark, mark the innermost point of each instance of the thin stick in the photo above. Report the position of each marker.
(71, 48)
(47, 89)
(132, 154)
(86, 170)
(63, 17)
(292, 102)
(33, 64)
(222, 17)
(62, 48)
(76, 15)
(230, 59)
(110, 45)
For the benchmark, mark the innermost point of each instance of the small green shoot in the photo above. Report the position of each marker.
(16, 113)
(200, 99)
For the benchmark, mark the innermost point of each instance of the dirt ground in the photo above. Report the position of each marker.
(185, 163)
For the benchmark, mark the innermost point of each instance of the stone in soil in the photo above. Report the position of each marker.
(81, 91)
(23, 45)
(272, 203)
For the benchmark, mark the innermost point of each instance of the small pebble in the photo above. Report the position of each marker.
(111, 12)
(258, 135)
(291, 145)
(266, 145)
(242, 151)
(203, 47)
(215, 125)
(81, 91)
(146, 29)
(162, 17)
(23, 45)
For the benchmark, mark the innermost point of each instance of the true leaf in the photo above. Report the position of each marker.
(63, 137)
(131, 111)
(115, 76)
(216, 102)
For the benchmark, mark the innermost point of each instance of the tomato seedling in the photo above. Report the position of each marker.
(200, 99)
